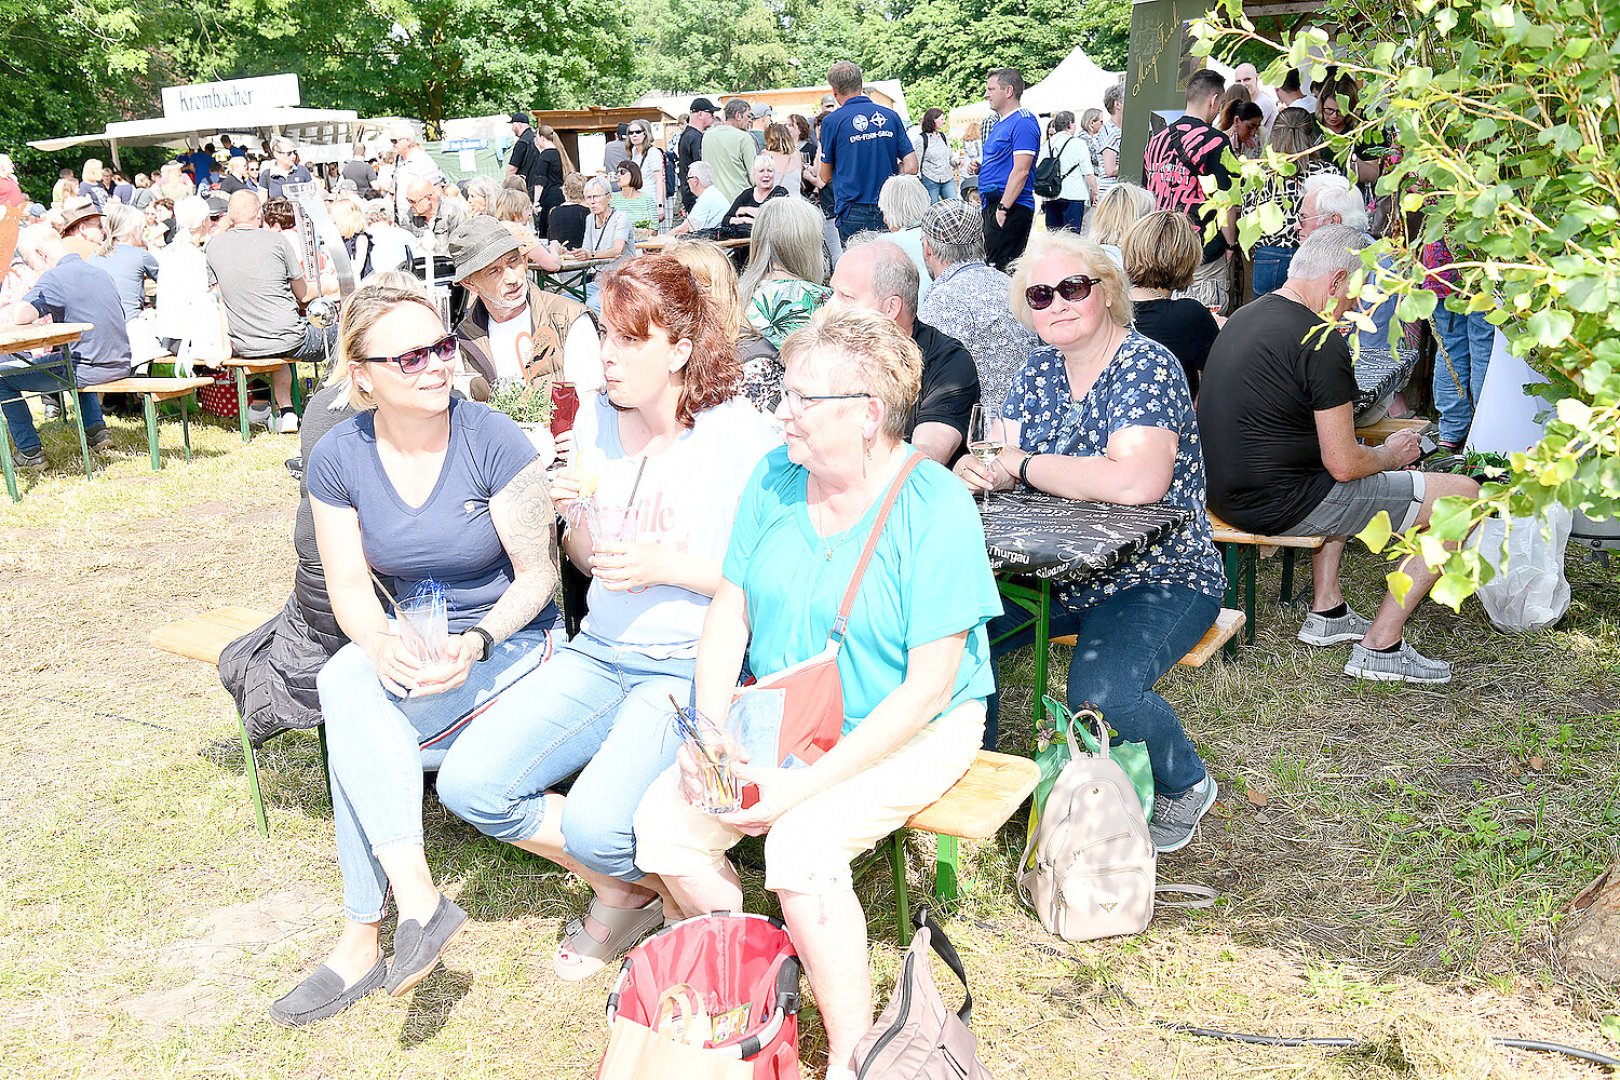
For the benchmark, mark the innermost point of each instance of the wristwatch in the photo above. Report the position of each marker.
(489, 642)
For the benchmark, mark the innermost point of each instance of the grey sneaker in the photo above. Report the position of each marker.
(1175, 817)
(1321, 630)
(259, 415)
(1404, 665)
(25, 459)
(98, 437)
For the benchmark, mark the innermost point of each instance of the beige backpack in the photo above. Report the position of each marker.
(1094, 867)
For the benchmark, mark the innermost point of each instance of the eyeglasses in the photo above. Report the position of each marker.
(416, 361)
(1073, 289)
(798, 402)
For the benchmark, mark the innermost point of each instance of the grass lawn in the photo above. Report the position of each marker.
(1392, 862)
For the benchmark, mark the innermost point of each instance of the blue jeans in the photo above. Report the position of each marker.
(859, 218)
(939, 189)
(596, 706)
(1126, 644)
(1467, 341)
(1270, 267)
(42, 378)
(379, 746)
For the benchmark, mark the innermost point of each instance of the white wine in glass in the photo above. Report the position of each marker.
(985, 441)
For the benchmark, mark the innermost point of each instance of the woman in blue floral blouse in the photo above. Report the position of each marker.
(1101, 412)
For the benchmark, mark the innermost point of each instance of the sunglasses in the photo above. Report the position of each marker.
(416, 361)
(1073, 289)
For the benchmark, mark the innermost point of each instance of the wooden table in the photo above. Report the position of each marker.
(572, 278)
(21, 340)
(660, 242)
(1034, 539)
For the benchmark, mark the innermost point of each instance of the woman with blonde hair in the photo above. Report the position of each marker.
(1162, 252)
(712, 267)
(93, 183)
(785, 281)
(513, 209)
(1123, 206)
(1100, 413)
(390, 490)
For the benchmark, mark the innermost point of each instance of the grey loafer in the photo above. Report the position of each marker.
(417, 947)
(322, 995)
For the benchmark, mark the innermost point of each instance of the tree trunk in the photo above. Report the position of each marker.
(1589, 940)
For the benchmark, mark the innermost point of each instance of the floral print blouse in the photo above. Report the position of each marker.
(1142, 386)
(782, 305)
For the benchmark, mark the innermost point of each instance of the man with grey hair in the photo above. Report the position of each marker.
(708, 208)
(433, 217)
(968, 299)
(1277, 420)
(729, 150)
(1329, 199)
(411, 162)
(875, 273)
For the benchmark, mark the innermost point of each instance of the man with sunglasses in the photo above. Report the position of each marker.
(433, 217)
(411, 162)
(513, 329)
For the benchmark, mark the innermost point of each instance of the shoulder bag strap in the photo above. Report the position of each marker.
(1073, 167)
(942, 947)
(889, 498)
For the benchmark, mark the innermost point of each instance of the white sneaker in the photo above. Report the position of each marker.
(1406, 664)
(259, 415)
(288, 424)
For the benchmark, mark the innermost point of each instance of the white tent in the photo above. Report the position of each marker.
(311, 127)
(1077, 84)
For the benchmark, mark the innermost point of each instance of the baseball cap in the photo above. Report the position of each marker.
(759, 111)
(702, 104)
(521, 118)
(217, 205)
(828, 101)
(479, 241)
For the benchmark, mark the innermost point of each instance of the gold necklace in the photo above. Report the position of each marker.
(821, 537)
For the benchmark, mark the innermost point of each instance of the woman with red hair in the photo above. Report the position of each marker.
(661, 457)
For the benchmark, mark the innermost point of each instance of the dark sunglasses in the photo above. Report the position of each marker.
(415, 361)
(1073, 289)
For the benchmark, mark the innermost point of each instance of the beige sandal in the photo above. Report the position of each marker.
(580, 955)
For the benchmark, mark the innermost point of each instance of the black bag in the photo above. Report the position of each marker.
(1050, 174)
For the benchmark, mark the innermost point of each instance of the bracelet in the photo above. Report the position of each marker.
(489, 641)
(1023, 471)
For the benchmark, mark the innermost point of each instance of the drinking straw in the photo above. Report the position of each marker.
(689, 727)
(635, 487)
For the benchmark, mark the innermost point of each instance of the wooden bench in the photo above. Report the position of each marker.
(974, 808)
(1375, 433)
(259, 368)
(203, 637)
(152, 391)
(1222, 633)
(1241, 551)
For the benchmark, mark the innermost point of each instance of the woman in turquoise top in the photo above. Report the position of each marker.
(915, 661)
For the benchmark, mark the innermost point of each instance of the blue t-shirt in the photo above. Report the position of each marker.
(1017, 132)
(202, 165)
(1142, 386)
(864, 143)
(73, 291)
(451, 537)
(129, 267)
(929, 578)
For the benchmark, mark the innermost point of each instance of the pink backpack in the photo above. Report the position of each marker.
(918, 1037)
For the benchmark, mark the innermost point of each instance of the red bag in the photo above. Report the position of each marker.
(728, 961)
(812, 712)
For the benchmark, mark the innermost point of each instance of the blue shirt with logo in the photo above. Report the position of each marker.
(864, 143)
(1017, 132)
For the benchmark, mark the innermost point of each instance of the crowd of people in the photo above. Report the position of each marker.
(745, 427)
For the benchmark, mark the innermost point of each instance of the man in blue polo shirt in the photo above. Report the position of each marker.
(1004, 170)
(862, 145)
(70, 291)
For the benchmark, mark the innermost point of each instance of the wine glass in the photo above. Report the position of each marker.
(985, 440)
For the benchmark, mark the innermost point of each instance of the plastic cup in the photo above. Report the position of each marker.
(564, 407)
(613, 524)
(424, 623)
(711, 749)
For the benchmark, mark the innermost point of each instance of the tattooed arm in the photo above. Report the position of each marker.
(526, 523)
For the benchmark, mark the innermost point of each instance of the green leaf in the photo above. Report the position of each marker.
(1610, 1027)
(1377, 532)
(1452, 589)
(1399, 585)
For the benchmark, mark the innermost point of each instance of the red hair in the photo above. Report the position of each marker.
(657, 291)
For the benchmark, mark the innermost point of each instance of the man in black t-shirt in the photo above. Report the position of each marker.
(690, 147)
(525, 159)
(1177, 158)
(1276, 417)
(875, 273)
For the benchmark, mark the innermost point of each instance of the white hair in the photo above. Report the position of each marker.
(1329, 250)
(191, 213)
(282, 145)
(1334, 195)
(702, 171)
(902, 201)
(599, 185)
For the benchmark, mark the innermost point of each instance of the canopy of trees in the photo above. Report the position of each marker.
(74, 65)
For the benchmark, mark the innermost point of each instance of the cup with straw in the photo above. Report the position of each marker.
(711, 749)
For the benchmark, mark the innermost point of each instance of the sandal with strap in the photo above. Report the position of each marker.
(580, 956)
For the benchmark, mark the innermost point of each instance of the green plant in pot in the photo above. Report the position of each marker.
(529, 407)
